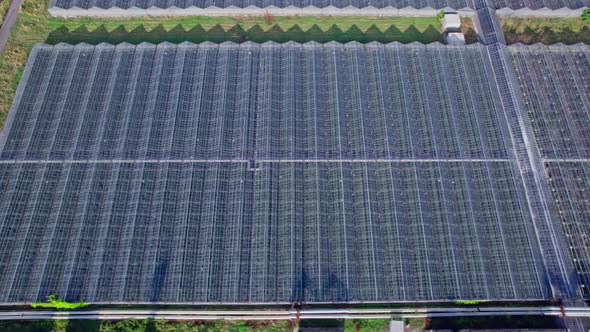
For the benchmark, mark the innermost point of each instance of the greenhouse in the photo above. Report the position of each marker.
(124, 8)
(349, 4)
(266, 173)
(555, 83)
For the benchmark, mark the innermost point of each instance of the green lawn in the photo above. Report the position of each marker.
(34, 25)
(265, 22)
(545, 30)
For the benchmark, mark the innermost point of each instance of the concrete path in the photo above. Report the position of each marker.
(8, 23)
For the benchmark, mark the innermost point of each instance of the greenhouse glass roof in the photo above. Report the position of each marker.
(263, 173)
(555, 83)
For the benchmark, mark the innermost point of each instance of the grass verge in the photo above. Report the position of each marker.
(144, 326)
(356, 325)
(493, 323)
(366, 325)
(4, 4)
(545, 30)
(35, 25)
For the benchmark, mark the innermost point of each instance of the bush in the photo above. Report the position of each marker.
(30, 326)
(416, 323)
(586, 15)
(55, 302)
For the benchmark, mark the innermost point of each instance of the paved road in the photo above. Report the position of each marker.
(9, 20)
(288, 314)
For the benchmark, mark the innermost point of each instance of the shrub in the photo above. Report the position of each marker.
(55, 302)
(416, 323)
(586, 15)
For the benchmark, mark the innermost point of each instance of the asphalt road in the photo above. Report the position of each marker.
(289, 314)
(8, 23)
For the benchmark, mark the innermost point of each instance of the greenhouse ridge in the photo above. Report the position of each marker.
(127, 8)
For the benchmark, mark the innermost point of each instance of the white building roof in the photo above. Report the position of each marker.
(451, 22)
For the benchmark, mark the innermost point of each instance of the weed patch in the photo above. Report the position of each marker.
(55, 302)
(546, 30)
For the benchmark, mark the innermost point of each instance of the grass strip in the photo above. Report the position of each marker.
(4, 5)
(545, 30)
